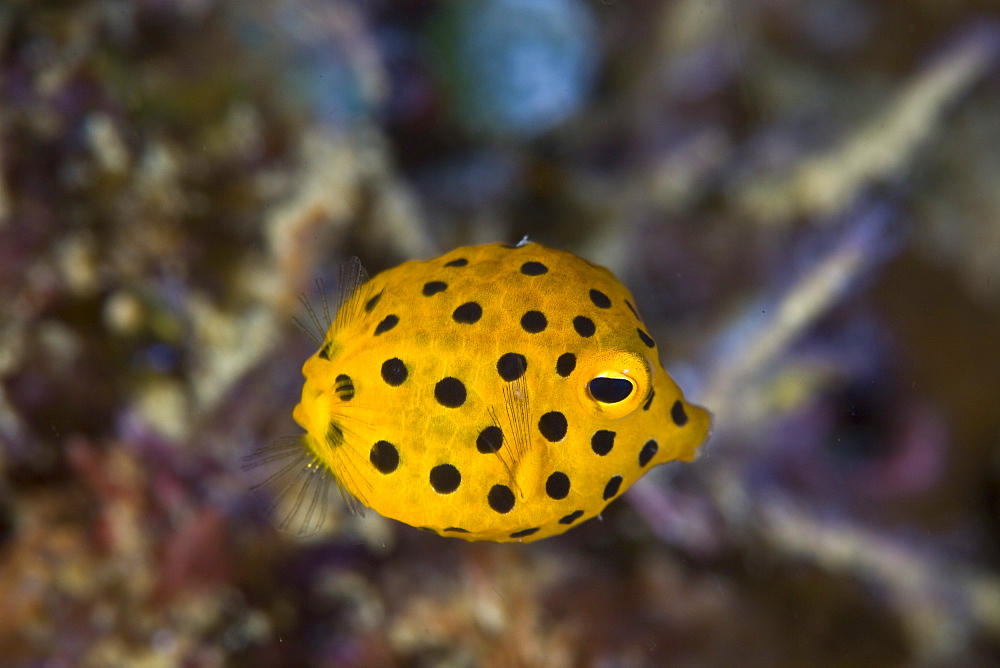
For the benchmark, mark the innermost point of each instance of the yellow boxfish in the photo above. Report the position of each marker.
(498, 392)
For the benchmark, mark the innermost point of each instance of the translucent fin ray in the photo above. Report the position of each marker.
(517, 431)
(293, 486)
(350, 277)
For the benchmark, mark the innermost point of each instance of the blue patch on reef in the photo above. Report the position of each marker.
(517, 67)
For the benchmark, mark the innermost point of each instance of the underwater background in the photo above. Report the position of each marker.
(804, 198)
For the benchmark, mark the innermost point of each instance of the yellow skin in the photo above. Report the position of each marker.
(394, 438)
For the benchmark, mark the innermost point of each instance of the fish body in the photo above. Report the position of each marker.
(498, 392)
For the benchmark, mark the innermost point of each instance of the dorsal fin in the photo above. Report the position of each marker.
(351, 275)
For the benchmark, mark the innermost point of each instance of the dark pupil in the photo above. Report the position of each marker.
(610, 390)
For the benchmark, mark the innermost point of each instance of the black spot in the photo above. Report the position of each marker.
(459, 262)
(511, 366)
(632, 308)
(370, 304)
(334, 435)
(572, 517)
(445, 479)
(584, 326)
(650, 343)
(557, 486)
(533, 269)
(648, 452)
(394, 372)
(468, 313)
(600, 299)
(489, 440)
(501, 499)
(388, 323)
(612, 487)
(450, 392)
(677, 414)
(565, 364)
(434, 287)
(344, 387)
(457, 530)
(384, 457)
(534, 322)
(524, 532)
(602, 441)
(324, 352)
(553, 426)
(610, 390)
(649, 401)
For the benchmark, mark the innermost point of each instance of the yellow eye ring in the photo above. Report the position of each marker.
(614, 384)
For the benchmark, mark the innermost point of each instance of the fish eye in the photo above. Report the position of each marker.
(610, 390)
(613, 383)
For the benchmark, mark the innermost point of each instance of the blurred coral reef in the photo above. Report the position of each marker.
(803, 197)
